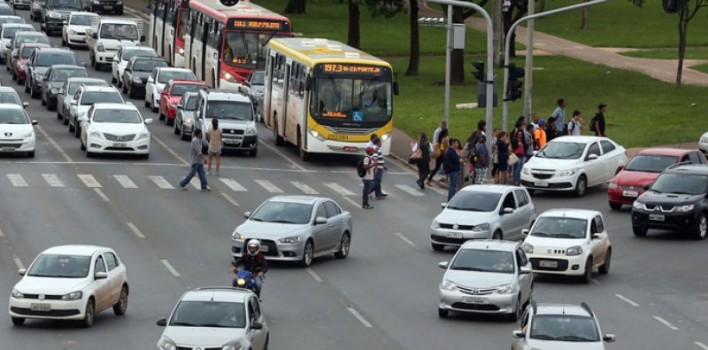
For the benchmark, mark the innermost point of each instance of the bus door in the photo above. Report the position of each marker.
(287, 124)
(201, 60)
(268, 90)
(191, 30)
(213, 50)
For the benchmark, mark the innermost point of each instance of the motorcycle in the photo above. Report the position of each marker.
(244, 279)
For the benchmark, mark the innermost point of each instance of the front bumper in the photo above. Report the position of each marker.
(51, 99)
(271, 249)
(78, 39)
(21, 74)
(492, 303)
(624, 196)
(18, 145)
(106, 7)
(59, 309)
(137, 89)
(455, 238)
(564, 265)
(54, 24)
(101, 145)
(105, 56)
(666, 221)
(549, 183)
(240, 142)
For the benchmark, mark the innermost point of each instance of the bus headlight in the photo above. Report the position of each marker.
(181, 50)
(385, 137)
(316, 135)
(230, 78)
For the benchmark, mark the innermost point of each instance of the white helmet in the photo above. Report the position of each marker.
(254, 247)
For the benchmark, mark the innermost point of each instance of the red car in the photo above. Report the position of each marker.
(173, 93)
(19, 62)
(641, 171)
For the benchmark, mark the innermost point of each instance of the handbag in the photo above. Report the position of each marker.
(513, 159)
(415, 156)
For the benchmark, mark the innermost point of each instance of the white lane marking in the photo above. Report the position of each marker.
(89, 180)
(410, 190)
(596, 282)
(54, 143)
(229, 199)
(18, 262)
(359, 317)
(405, 239)
(233, 185)
(180, 165)
(314, 274)
(170, 268)
(161, 182)
(626, 300)
(53, 180)
(169, 150)
(2, 234)
(304, 188)
(701, 345)
(354, 203)
(269, 186)
(17, 180)
(288, 159)
(339, 189)
(135, 230)
(125, 181)
(101, 194)
(665, 323)
(196, 183)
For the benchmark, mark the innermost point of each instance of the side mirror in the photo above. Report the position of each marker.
(115, 59)
(34, 122)
(395, 88)
(646, 187)
(320, 221)
(595, 236)
(507, 211)
(21, 272)
(610, 338)
(443, 265)
(247, 214)
(7, 46)
(150, 80)
(256, 325)
(525, 232)
(164, 92)
(524, 270)
(518, 334)
(94, 35)
(621, 167)
(162, 322)
(25, 104)
(148, 121)
(179, 106)
(73, 102)
(591, 156)
(64, 22)
(142, 38)
(443, 205)
(100, 276)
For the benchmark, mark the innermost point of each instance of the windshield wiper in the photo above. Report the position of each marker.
(283, 222)
(564, 235)
(185, 324)
(680, 192)
(540, 234)
(213, 325)
(67, 276)
(573, 338)
(469, 269)
(542, 337)
(655, 191)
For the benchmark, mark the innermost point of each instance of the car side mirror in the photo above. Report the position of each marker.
(164, 92)
(591, 157)
(148, 121)
(443, 205)
(646, 187)
(150, 80)
(142, 38)
(34, 122)
(524, 270)
(595, 236)
(73, 102)
(443, 265)
(525, 232)
(7, 46)
(320, 221)
(518, 334)
(25, 104)
(100, 275)
(247, 214)
(610, 338)
(507, 211)
(21, 272)
(94, 35)
(256, 325)
(65, 23)
(162, 322)
(179, 107)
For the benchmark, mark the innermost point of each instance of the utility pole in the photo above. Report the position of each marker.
(448, 62)
(498, 32)
(528, 79)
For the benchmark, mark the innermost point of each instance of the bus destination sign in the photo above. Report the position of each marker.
(351, 69)
(253, 24)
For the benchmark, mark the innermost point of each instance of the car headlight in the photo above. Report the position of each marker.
(506, 289)
(28, 135)
(526, 171)
(187, 120)
(52, 14)
(16, 294)
(166, 344)
(95, 134)
(612, 185)
(567, 172)
(574, 250)
(238, 236)
(143, 135)
(180, 51)
(528, 248)
(73, 295)
(100, 48)
(250, 131)
(435, 224)
(72, 32)
(480, 228)
(447, 285)
(291, 239)
(54, 91)
(137, 80)
(685, 208)
(230, 78)
(233, 346)
(638, 205)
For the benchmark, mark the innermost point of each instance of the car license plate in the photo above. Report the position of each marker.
(474, 300)
(657, 217)
(541, 183)
(632, 194)
(119, 144)
(548, 264)
(108, 7)
(453, 235)
(40, 307)
(7, 149)
(231, 142)
(349, 149)
(265, 248)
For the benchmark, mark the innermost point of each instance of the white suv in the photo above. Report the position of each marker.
(569, 242)
(215, 318)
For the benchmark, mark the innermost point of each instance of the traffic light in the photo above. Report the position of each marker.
(479, 72)
(229, 2)
(673, 6)
(513, 91)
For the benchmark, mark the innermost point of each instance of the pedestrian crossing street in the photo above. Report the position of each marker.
(224, 184)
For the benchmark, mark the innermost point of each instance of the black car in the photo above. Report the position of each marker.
(137, 72)
(106, 6)
(55, 12)
(56, 77)
(676, 201)
(39, 63)
(36, 9)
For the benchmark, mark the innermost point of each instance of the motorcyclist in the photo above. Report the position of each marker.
(254, 261)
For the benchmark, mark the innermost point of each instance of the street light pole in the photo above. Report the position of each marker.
(528, 79)
(448, 62)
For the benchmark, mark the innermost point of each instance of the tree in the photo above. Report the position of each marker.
(414, 53)
(295, 7)
(457, 64)
(584, 18)
(687, 11)
(377, 8)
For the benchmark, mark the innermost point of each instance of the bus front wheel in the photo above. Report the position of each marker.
(304, 155)
(276, 136)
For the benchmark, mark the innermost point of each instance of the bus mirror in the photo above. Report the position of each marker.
(308, 84)
(142, 38)
(395, 88)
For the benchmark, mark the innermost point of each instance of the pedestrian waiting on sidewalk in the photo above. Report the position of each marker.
(197, 165)
(452, 165)
(422, 162)
(481, 161)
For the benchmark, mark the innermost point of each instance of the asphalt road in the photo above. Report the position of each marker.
(384, 296)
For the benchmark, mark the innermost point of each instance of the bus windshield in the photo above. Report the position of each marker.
(352, 101)
(246, 49)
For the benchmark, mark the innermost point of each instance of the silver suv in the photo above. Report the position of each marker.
(236, 119)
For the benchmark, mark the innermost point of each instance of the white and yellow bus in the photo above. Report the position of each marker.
(326, 97)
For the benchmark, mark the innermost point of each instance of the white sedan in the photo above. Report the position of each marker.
(703, 143)
(71, 282)
(573, 163)
(74, 31)
(157, 81)
(123, 56)
(115, 128)
(18, 134)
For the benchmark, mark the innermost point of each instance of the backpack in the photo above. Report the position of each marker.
(572, 129)
(592, 123)
(360, 170)
(447, 164)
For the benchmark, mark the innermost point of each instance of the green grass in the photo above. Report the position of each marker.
(702, 68)
(692, 53)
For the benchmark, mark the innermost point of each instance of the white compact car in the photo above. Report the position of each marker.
(17, 134)
(703, 143)
(115, 128)
(157, 81)
(68, 92)
(7, 33)
(123, 56)
(215, 318)
(85, 97)
(71, 282)
(570, 242)
(573, 163)
(74, 31)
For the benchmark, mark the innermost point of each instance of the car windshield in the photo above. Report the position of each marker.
(166, 76)
(62, 75)
(64, 266)
(568, 328)
(13, 116)
(81, 20)
(650, 163)
(483, 261)
(34, 38)
(213, 314)
(229, 110)
(128, 54)
(8, 33)
(11, 19)
(120, 31)
(10, 97)
(681, 184)
(92, 97)
(258, 78)
(474, 201)
(246, 49)
(560, 227)
(148, 65)
(283, 212)
(191, 104)
(562, 150)
(65, 4)
(50, 59)
(181, 89)
(27, 52)
(73, 87)
(117, 116)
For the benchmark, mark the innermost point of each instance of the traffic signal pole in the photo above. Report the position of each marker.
(507, 44)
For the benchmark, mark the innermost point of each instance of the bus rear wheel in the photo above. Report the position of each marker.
(304, 155)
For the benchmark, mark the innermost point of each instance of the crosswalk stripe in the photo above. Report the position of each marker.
(410, 190)
(125, 181)
(53, 180)
(339, 189)
(17, 180)
(269, 186)
(195, 183)
(304, 188)
(161, 182)
(89, 180)
(233, 185)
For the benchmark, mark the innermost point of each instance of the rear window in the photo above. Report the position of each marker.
(170, 75)
(90, 98)
(8, 33)
(37, 39)
(50, 59)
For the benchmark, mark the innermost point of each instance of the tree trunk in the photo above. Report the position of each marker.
(295, 7)
(508, 21)
(414, 54)
(542, 6)
(584, 19)
(683, 26)
(498, 40)
(457, 64)
(353, 36)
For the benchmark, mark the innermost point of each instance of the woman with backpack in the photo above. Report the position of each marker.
(423, 164)
(518, 147)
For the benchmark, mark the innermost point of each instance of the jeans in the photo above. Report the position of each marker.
(517, 170)
(365, 192)
(438, 165)
(453, 177)
(197, 169)
(376, 186)
(258, 285)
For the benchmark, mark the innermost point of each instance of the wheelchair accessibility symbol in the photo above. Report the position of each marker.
(358, 116)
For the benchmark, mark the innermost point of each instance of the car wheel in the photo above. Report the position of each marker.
(497, 235)
(131, 94)
(30, 154)
(176, 129)
(516, 315)
(615, 206)
(33, 94)
(182, 135)
(51, 107)
(18, 321)
(437, 247)
(42, 101)
(581, 186)
(88, 317)
(307, 254)
(639, 231)
(344, 244)
(587, 275)
(63, 41)
(83, 147)
(699, 232)
(59, 117)
(265, 347)
(122, 305)
(124, 89)
(71, 128)
(442, 313)
(77, 129)
(162, 117)
(147, 104)
(14, 76)
(65, 119)
(605, 268)
(27, 88)
(278, 140)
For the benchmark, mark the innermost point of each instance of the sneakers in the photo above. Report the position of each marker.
(366, 206)
(420, 184)
(217, 173)
(208, 172)
(183, 189)
(206, 189)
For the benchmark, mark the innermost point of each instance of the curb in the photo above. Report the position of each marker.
(137, 13)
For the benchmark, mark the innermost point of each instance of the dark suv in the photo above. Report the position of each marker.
(676, 201)
(55, 12)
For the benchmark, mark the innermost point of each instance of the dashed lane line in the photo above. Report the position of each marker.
(54, 143)
(314, 274)
(102, 195)
(135, 230)
(304, 188)
(230, 200)
(410, 190)
(233, 185)
(18, 262)
(169, 150)
(269, 186)
(701, 345)
(89, 180)
(161, 182)
(626, 300)
(665, 323)
(170, 268)
(360, 317)
(53, 180)
(405, 239)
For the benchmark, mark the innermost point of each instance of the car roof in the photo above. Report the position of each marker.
(83, 13)
(100, 88)
(561, 309)
(123, 106)
(695, 169)
(570, 213)
(17, 25)
(222, 294)
(116, 20)
(223, 95)
(172, 69)
(583, 139)
(54, 50)
(187, 82)
(85, 80)
(29, 33)
(11, 106)
(75, 249)
(23, 45)
(8, 89)
(67, 66)
(491, 244)
(666, 151)
(489, 188)
(297, 199)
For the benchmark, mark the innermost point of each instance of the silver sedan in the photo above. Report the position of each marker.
(296, 228)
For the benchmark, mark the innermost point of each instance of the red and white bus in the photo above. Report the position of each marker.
(168, 27)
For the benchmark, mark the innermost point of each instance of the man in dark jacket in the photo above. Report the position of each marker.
(254, 261)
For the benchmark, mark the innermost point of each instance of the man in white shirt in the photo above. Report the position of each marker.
(436, 133)
(575, 125)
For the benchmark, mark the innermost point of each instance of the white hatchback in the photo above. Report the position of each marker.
(74, 31)
(703, 143)
(71, 282)
(570, 242)
(157, 81)
(18, 134)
